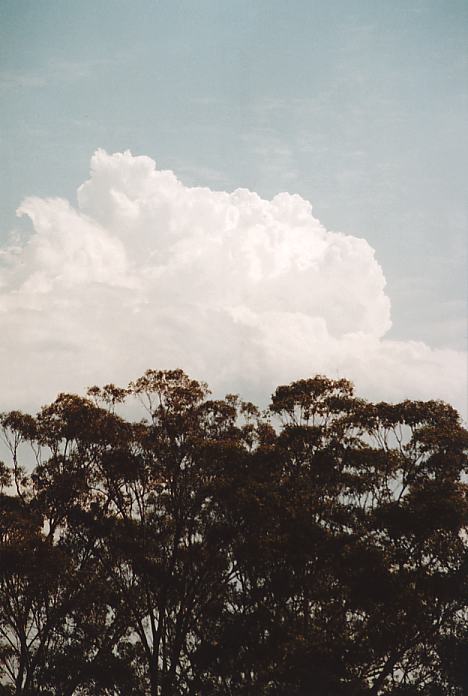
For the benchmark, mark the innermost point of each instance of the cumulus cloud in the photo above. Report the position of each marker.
(239, 291)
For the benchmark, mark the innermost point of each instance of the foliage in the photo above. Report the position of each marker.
(317, 549)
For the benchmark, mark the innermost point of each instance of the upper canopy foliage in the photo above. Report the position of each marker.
(318, 548)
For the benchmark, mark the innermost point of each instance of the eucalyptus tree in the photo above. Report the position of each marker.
(208, 548)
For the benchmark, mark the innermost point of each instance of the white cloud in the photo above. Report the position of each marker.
(239, 291)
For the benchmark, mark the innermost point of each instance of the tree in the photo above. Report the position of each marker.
(208, 548)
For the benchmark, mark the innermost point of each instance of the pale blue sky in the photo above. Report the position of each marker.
(360, 106)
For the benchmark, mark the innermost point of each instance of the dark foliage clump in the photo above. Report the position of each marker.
(316, 549)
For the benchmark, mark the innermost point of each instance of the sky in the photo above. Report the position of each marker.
(357, 108)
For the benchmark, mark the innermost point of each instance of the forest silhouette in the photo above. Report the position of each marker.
(205, 547)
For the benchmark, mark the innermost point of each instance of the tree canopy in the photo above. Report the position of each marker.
(318, 548)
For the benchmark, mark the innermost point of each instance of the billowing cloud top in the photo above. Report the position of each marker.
(239, 291)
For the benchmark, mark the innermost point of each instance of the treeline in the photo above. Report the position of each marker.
(316, 549)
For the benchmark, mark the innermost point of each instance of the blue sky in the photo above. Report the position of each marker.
(359, 106)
